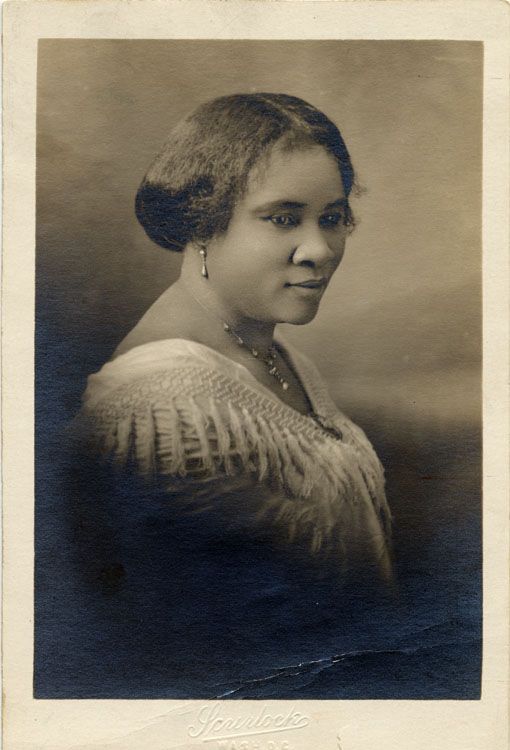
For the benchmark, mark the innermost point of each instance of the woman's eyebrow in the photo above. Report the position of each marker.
(274, 205)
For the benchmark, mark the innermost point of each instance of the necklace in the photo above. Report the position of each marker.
(269, 358)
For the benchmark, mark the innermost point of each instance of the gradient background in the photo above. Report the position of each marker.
(398, 336)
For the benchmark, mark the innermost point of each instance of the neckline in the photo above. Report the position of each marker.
(308, 385)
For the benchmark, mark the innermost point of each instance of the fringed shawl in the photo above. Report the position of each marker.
(181, 413)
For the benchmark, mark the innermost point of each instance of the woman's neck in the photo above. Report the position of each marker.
(190, 309)
(204, 306)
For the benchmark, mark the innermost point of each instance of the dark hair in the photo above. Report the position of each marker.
(190, 189)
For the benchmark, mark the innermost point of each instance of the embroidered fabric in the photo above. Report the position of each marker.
(202, 427)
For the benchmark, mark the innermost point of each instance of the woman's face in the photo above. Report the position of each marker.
(285, 239)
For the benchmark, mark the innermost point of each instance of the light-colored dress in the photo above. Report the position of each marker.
(202, 429)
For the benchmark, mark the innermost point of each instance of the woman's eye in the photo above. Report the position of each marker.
(283, 220)
(331, 220)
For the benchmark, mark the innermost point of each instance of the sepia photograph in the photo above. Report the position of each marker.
(255, 375)
(258, 381)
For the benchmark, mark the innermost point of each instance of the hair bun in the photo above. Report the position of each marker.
(162, 217)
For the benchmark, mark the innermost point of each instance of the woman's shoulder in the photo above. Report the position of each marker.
(182, 400)
(154, 407)
(167, 366)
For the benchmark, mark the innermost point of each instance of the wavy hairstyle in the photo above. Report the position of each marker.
(191, 188)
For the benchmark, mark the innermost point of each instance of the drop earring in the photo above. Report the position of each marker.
(203, 255)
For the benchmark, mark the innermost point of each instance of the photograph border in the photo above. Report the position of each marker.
(164, 724)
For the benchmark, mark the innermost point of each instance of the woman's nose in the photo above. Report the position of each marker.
(315, 249)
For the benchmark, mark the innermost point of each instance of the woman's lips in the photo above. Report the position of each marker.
(310, 284)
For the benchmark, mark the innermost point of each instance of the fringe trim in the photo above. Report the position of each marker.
(200, 438)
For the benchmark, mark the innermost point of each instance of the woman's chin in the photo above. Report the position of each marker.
(302, 316)
(301, 305)
(294, 312)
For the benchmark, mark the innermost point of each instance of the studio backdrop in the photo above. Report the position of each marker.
(398, 335)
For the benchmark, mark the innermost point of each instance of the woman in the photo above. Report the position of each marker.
(209, 419)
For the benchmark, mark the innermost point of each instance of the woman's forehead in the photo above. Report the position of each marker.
(308, 171)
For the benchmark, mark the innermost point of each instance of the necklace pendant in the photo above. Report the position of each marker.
(285, 385)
